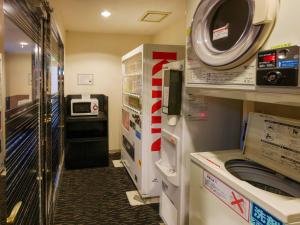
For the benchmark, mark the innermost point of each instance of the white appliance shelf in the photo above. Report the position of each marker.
(291, 98)
(133, 109)
(132, 94)
(132, 74)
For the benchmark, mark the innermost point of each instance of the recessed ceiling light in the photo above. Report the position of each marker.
(105, 13)
(23, 44)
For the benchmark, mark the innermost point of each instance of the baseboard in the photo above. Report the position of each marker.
(113, 151)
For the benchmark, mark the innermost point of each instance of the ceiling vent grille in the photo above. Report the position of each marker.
(154, 16)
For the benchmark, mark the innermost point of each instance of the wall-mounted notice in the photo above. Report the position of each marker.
(195, 108)
(85, 79)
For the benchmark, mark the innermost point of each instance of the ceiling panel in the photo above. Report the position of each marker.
(84, 15)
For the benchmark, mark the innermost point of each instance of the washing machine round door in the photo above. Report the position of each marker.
(226, 33)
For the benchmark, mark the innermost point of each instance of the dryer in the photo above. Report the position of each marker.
(259, 186)
(225, 36)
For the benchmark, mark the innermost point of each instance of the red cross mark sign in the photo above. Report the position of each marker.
(233, 199)
(237, 202)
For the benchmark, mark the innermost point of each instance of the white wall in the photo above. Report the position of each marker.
(100, 54)
(174, 34)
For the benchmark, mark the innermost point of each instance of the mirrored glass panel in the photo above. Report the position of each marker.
(54, 76)
(1, 105)
(19, 60)
(22, 77)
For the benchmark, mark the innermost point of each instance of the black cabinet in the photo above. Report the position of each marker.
(87, 137)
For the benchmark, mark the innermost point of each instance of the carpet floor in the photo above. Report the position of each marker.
(97, 196)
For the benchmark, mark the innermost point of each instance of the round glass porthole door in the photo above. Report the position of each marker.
(224, 34)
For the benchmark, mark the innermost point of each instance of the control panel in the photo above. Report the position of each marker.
(278, 67)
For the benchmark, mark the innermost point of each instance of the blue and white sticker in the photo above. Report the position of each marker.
(288, 63)
(138, 134)
(260, 216)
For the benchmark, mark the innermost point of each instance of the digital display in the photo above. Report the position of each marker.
(269, 58)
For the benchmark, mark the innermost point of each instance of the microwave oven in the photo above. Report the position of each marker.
(84, 107)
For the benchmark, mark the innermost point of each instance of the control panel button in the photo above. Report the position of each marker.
(273, 77)
(282, 54)
(95, 107)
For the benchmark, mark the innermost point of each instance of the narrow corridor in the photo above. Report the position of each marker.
(98, 196)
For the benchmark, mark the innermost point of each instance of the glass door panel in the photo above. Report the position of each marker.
(22, 121)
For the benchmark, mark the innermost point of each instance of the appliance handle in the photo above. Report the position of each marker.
(264, 11)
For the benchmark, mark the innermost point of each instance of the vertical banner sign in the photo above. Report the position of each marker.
(162, 58)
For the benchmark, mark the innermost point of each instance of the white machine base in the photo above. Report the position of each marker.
(168, 212)
(135, 199)
(117, 163)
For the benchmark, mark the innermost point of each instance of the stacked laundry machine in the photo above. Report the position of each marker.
(258, 186)
(226, 36)
(246, 47)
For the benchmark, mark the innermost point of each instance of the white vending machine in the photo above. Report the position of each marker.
(141, 113)
(190, 123)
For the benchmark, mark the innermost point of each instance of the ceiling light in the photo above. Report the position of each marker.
(23, 44)
(105, 13)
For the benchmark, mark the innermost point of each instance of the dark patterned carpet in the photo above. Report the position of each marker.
(97, 197)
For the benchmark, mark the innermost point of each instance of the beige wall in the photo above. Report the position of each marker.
(18, 73)
(59, 22)
(173, 34)
(100, 54)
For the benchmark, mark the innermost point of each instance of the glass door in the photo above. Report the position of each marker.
(22, 72)
(2, 142)
(53, 101)
(31, 114)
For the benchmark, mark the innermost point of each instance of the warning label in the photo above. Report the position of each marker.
(220, 33)
(229, 196)
(259, 216)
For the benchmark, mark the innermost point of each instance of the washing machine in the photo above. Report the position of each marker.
(226, 35)
(258, 186)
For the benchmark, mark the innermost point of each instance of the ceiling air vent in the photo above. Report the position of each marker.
(154, 16)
